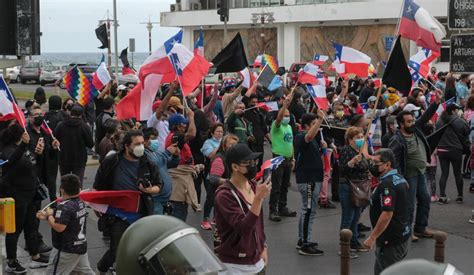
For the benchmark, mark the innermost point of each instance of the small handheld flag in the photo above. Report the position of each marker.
(271, 164)
(8, 107)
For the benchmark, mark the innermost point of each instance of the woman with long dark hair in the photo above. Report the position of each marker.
(450, 90)
(20, 182)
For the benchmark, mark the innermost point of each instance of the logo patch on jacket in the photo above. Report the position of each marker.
(387, 201)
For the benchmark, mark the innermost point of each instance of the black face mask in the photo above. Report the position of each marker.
(38, 121)
(251, 172)
(374, 170)
(410, 129)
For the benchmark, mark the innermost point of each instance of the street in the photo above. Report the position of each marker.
(282, 237)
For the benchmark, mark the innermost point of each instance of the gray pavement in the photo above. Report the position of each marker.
(282, 237)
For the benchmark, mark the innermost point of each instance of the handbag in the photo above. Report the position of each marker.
(42, 192)
(360, 192)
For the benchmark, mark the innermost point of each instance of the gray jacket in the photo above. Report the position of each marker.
(455, 135)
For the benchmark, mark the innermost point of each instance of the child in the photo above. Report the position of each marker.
(68, 223)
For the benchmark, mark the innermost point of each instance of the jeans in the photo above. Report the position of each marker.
(309, 197)
(418, 192)
(180, 210)
(209, 203)
(117, 228)
(280, 183)
(25, 219)
(350, 214)
(430, 175)
(388, 255)
(455, 159)
(158, 208)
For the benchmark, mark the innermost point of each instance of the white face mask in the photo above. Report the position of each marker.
(139, 150)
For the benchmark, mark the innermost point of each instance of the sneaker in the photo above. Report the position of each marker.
(43, 248)
(14, 266)
(363, 228)
(459, 200)
(443, 200)
(352, 255)
(285, 212)
(359, 248)
(471, 220)
(274, 216)
(300, 243)
(206, 225)
(434, 198)
(327, 205)
(42, 261)
(309, 250)
(425, 234)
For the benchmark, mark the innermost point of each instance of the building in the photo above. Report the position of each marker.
(295, 30)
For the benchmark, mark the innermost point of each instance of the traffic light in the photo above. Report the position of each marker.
(223, 10)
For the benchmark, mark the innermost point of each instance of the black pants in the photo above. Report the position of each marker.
(197, 185)
(210, 194)
(280, 183)
(335, 181)
(258, 148)
(455, 159)
(72, 169)
(52, 174)
(388, 255)
(117, 228)
(25, 219)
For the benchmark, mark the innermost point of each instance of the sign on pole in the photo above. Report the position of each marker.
(460, 14)
(131, 45)
(462, 53)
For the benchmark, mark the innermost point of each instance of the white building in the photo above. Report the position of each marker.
(300, 28)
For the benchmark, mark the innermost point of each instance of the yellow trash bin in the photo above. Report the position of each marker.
(7, 215)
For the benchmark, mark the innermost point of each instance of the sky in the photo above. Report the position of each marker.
(68, 25)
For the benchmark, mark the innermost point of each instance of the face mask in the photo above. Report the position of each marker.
(374, 170)
(251, 172)
(339, 114)
(359, 143)
(410, 129)
(422, 98)
(285, 120)
(38, 121)
(347, 102)
(416, 114)
(385, 97)
(154, 145)
(138, 151)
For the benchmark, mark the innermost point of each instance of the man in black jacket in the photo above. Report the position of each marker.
(129, 169)
(259, 129)
(75, 137)
(412, 152)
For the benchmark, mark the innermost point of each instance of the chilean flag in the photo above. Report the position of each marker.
(268, 106)
(199, 46)
(101, 76)
(320, 59)
(8, 107)
(355, 62)
(418, 25)
(258, 61)
(442, 107)
(318, 93)
(419, 64)
(271, 164)
(123, 204)
(46, 128)
(309, 74)
(247, 78)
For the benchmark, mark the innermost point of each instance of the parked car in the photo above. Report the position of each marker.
(14, 74)
(50, 74)
(32, 71)
(292, 75)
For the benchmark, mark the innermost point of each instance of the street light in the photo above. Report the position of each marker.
(262, 18)
(149, 27)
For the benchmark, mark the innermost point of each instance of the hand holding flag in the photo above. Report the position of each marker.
(271, 164)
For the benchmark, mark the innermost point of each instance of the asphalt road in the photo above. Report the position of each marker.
(282, 237)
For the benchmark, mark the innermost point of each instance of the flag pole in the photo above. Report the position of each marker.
(400, 14)
(203, 87)
(373, 113)
(248, 109)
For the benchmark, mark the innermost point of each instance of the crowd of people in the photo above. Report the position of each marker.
(370, 152)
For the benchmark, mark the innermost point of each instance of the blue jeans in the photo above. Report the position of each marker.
(350, 214)
(180, 210)
(309, 196)
(158, 208)
(418, 192)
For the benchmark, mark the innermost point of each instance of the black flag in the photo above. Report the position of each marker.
(266, 76)
(101, 33)
(397, 74)
(232, 58)
(124, 57)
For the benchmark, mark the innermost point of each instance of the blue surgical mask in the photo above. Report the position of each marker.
(154, 145)
(385, 97)
(359, 143)
(285, 120)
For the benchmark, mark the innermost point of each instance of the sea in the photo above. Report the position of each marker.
(92, 58)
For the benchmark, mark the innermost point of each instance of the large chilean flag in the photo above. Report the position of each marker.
(418, 25)
(355, 62)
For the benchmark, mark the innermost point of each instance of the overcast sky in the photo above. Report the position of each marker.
(68, 25)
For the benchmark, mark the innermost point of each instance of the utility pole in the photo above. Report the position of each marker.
(262, 17)
(109, 49)
(149, 27)
(116, 40)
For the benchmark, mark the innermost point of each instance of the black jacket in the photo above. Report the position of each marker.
(365, 93)
(75, 136)
(104, 179)
(398, 143)
(456, 135)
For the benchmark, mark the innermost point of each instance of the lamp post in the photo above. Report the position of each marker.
(262, 18)
(149, 27)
